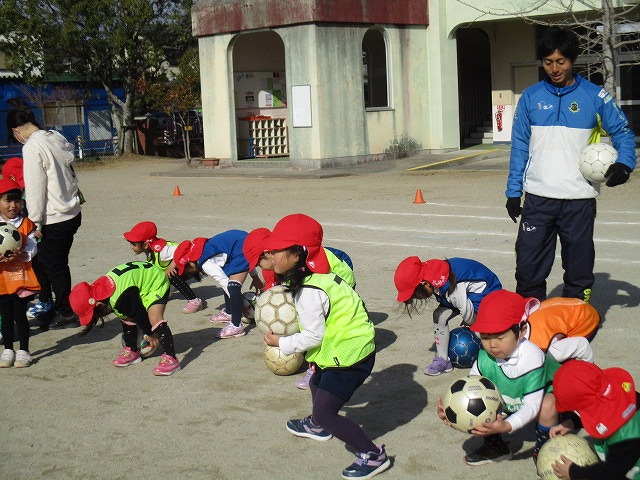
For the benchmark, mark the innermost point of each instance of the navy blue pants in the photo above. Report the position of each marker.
(543, 221)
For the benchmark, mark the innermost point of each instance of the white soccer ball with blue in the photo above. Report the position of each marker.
(575, 448)
(464, 346)
(595, 160)
(471, 401)
(10, 239)
(275, 312)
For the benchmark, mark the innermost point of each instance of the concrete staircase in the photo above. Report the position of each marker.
(483, 134)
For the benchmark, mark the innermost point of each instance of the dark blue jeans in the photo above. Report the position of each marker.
(53, 251)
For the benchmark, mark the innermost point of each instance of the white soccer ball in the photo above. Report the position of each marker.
(276, 312)
(281, 364)
(471, 401)
(10, 239)
(595, 160)
(575, 448)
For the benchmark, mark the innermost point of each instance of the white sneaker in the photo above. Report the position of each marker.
(23, 359)
(7, 358)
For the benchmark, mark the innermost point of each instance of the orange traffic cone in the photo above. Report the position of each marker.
(419, 198)
(176, 192)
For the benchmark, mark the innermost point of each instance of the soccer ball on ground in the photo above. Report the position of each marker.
(276, 312)
(575, 448)
(10, 239)
(464, 346)
(595, 160)
(248, 307)
(281, 364)
(471, 401)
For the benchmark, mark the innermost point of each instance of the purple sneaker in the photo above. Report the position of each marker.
(303, 383)
(438, 366)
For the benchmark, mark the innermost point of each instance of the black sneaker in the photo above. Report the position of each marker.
(490, 451)
(63, 321)
(367, 464)
(304, 427)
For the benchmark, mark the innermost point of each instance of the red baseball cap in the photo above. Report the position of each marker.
(604, 399)
(142, 232)
(411, 271)
(8, 184)
(300, 229)
(83, 297)
(500, 310)
(188, 251)
(12, 168)
(253, 245)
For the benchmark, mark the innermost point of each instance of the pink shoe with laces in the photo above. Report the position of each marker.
(230, 331)
(303, 383)
(221, 317)
(168, 366)
(127, 357)
(193, 306)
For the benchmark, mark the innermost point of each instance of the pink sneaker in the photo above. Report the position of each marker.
(230, 331)
(221, 317)
(127, 357)
(168, 366)
(303, 383)
(193, 306)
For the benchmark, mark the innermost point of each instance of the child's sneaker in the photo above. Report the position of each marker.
(7, 358)
(230, 331)
(127, 357)
(23, 359)
(168, 366)
(38, 309)
(492, 450)
(304, 427)
(146, 347)
(437, 366)
(221, 317)
(303, 383)
(193, 306)
(368, 464)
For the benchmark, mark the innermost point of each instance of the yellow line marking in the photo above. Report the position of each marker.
(444, 162)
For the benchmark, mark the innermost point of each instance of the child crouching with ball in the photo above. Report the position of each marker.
(519, 369)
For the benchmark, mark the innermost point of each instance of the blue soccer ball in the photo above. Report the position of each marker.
(464, 346)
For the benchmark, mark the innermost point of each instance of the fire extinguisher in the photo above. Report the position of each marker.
(499, 119)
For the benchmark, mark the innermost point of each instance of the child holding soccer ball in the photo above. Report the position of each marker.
(519, 369)
(18, 282)
(608, 407)
(220, 257)
(143, 239)
(336, 334)
(458, 285)
(137, 292)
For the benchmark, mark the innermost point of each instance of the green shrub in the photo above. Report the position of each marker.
(402, 147)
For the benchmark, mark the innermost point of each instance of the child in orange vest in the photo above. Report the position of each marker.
(18, 282)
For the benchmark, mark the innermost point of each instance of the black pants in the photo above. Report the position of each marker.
(543, 221)
(54, 249)
(14, 311)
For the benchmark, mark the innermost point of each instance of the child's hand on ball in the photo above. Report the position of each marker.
(272, 339)
(491, 428)
(561, 468)
(441, 413)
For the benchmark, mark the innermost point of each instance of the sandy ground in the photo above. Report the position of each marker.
(72, 415)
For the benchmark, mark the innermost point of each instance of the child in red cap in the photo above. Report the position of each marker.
(137, 292)
(336, 334)
(143, 238)
(18, 282)
(562, 327)
(607, 403)
(458, 285)
(520, 370)
(253, 249)
(220, 257)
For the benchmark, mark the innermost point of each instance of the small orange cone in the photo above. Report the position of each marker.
(176, 192)
(419, 198)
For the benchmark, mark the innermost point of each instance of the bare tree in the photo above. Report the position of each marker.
(605, 29)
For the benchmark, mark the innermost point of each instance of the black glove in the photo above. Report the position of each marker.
(617, 174)
(513, 208)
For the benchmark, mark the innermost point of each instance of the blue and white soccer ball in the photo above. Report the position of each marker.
(10, 239)
(464, 346)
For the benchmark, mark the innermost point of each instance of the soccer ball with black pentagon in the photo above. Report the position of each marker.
(471, 401)
(464, 346)
(10, 239)
(595, 160)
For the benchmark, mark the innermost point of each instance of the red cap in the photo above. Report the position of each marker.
(412, 271)
(253, 245)
(83, 297)
(604, 399)
(12, 168)
(7, 185)
(142, 232)
(187, 252)
(300, 229)
(500, 310)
